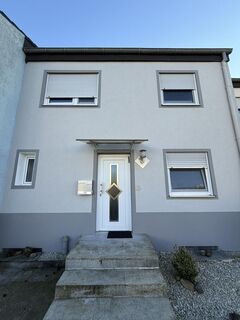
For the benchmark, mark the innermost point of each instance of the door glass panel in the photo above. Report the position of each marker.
(113, 192)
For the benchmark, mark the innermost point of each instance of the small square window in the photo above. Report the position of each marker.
(25, 169)
(178, 88)
(188, 174)
(71, 89)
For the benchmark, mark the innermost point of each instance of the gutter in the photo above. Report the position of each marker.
(126, 54)
(231, 98)
(130, 50)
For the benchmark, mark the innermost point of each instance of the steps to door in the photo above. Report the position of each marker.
(111, 279)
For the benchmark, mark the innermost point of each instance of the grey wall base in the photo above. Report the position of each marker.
(45, 230)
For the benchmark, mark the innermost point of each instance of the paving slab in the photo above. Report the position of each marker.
(111, 309)
(115, 282)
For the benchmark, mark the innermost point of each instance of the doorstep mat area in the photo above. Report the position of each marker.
(119, 234)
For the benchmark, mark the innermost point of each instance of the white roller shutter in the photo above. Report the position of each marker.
(177, 81)
(187, 160)
(72, 85)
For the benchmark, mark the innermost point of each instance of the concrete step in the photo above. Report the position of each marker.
(98, 252)
(110, 309)
(110, 283)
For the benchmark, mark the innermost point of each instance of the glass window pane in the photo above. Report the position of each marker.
(188, 179)
(29, 173)
(181, 96)
(86, 100)
(60, 100)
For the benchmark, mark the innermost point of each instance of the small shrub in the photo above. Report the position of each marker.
(184, 264)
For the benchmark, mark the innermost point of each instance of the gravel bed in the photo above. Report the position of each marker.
(220, 281)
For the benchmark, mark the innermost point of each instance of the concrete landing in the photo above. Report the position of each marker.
(111, 309)
(111, 279)
(98, 252)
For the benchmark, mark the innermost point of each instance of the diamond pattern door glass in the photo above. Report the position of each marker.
(113, 192)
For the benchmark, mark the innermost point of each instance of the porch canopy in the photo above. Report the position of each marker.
(113, 143)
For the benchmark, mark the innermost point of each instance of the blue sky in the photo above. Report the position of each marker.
(130, 23)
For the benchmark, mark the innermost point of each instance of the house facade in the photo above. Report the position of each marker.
(145, 140)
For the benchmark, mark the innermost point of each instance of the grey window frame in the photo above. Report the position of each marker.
(62, 105)
(34, 173)
(162, 104)
(211, 174)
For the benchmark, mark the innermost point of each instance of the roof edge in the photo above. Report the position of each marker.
(126, 54)
(101, 50)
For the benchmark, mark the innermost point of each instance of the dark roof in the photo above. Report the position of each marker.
(28, 42)
(126, 54)
(236, 82)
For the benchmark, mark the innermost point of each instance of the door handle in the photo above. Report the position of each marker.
(101, 190)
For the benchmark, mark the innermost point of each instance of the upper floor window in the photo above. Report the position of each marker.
(71, 89)
(178, 88)
(25, 169)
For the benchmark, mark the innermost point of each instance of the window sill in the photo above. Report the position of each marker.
(69, 106)
(205, 196)
(22, 186)
(181, 105)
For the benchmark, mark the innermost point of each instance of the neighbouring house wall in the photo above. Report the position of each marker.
(11, 74)
(237, 92)
(129, 109)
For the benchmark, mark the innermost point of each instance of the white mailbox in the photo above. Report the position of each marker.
(84, 187)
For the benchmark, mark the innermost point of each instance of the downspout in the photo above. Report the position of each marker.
(231, 99)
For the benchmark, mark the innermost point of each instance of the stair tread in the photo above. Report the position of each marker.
(110, 277)
(110, 309)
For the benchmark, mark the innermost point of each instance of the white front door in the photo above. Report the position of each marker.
(113, 193)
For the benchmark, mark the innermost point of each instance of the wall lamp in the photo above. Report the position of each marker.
(142, 159)
(142, 155)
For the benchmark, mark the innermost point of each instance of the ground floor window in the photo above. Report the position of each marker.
(188, 174)
(25, 169)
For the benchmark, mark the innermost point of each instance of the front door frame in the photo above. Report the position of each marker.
(112, 151)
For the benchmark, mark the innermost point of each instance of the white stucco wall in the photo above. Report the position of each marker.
(129, 109)
(11, 75)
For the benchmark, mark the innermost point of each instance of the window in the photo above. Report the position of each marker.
(188, 174)
(71, 89)
(238, 103)
(178, 88)
(25, 169)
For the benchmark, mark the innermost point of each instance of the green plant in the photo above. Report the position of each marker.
(184, 264)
